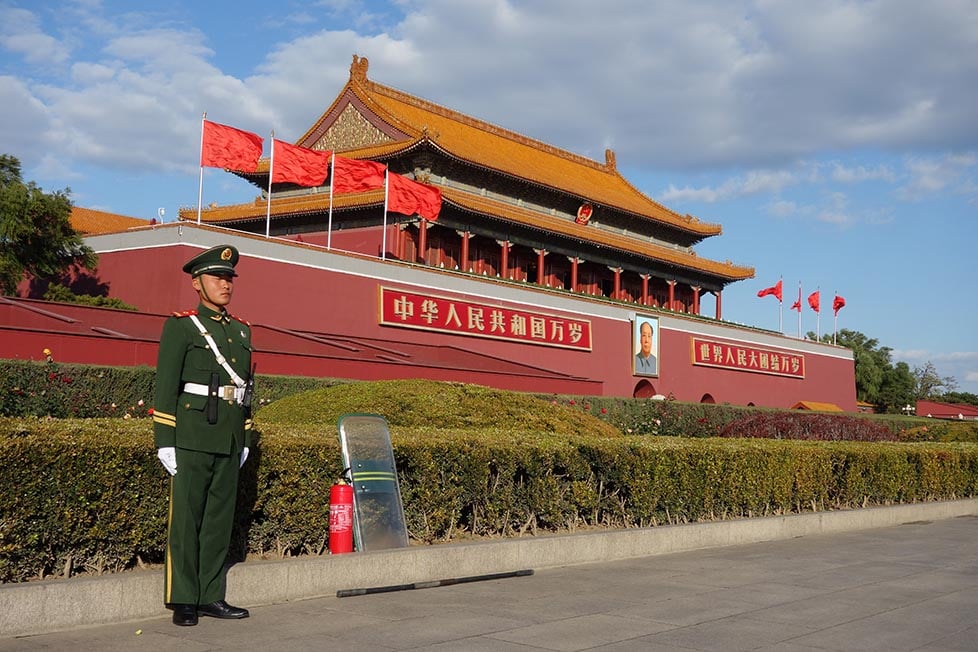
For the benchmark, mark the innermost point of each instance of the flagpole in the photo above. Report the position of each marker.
(835, 317)
(799, 310)
(780, 308)
(818, 314)
(200, 182)
(383, 245)
(332, 182)
(271, 172)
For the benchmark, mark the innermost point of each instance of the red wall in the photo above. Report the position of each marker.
(286, 295)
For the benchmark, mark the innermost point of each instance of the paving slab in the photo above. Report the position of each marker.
(911, 586)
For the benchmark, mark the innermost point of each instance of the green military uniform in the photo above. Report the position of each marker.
(208, 449)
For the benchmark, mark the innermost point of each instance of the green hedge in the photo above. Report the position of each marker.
(89, 495)
(59, 390)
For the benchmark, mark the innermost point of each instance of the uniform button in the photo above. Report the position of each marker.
(234, 359)
(230, 340)
(187, 406)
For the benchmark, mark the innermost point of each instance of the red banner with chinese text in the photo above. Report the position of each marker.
(445, 315)
(713, 353)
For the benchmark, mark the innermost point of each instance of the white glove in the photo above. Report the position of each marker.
(168, 455)
(244, 456)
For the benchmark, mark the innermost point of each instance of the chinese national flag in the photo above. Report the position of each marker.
(410, 197)
(774, 289)
(813, 300)
(797, 304)
(298, 165)
(226, 147)
(353, 175)
(837, 304)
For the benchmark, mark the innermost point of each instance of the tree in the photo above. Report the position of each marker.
(887, 386)
(872, 362)
(898, 389)
(967, 398)
(35, 231)
(929, 384)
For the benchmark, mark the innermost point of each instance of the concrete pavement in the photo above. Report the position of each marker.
(901, 578)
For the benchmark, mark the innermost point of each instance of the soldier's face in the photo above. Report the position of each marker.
(215, 290)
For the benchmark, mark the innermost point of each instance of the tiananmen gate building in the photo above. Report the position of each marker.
(544, 271)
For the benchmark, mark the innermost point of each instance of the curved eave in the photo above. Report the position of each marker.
(487, 145)
(284, 206)
(590, 234)
(386, 151)
(688, 227)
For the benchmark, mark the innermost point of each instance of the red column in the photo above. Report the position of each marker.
(696, 300)
(423, 240)
(540, 255)
(463, 264)
(719, 312)
(503, 259)
(672, 294)
(617, 291)
(573, 261)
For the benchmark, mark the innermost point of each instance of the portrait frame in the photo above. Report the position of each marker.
(639, 368)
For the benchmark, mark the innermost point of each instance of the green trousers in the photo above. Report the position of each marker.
(202, 497)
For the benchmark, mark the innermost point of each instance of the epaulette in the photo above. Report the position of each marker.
(184, 313)
(235, 317)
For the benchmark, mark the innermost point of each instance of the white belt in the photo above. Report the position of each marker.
(224, 392)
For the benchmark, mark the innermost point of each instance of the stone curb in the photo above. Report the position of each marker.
(54, 605)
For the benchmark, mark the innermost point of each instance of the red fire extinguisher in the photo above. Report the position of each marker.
(340, 518)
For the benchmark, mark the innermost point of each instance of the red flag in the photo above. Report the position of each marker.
(774, 289)
(298, 165)
(226, 147)
(410, 197)
(353, 175)
(837, 304)
(813, 300)
(797, 304)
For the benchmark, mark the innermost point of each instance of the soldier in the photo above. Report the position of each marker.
(202, 430)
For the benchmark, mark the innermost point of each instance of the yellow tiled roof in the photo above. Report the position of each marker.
(318, 202)
(503, 151)
(88, 221)
(815, 405)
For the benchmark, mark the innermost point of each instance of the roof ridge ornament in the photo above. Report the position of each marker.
(358, 69)
(609, 159)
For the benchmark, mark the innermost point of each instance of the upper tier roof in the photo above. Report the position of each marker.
(411, 119)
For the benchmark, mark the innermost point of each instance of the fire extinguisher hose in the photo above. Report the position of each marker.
(347, 593)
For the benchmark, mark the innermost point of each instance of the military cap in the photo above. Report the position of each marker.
(216, 260)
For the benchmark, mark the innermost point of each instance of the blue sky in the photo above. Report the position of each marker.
(835, 142)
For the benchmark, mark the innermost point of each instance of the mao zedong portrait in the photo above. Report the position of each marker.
(645, 361)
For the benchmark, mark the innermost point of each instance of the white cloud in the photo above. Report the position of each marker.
(782, 208)
(717, 86)
(753, 182)
(20, 33)
(927, 176)
(845, 174)
(837, 209)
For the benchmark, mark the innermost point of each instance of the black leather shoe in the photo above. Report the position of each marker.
(184, 615)
(221, 609)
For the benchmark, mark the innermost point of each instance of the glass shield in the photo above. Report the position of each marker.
(378, 514)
